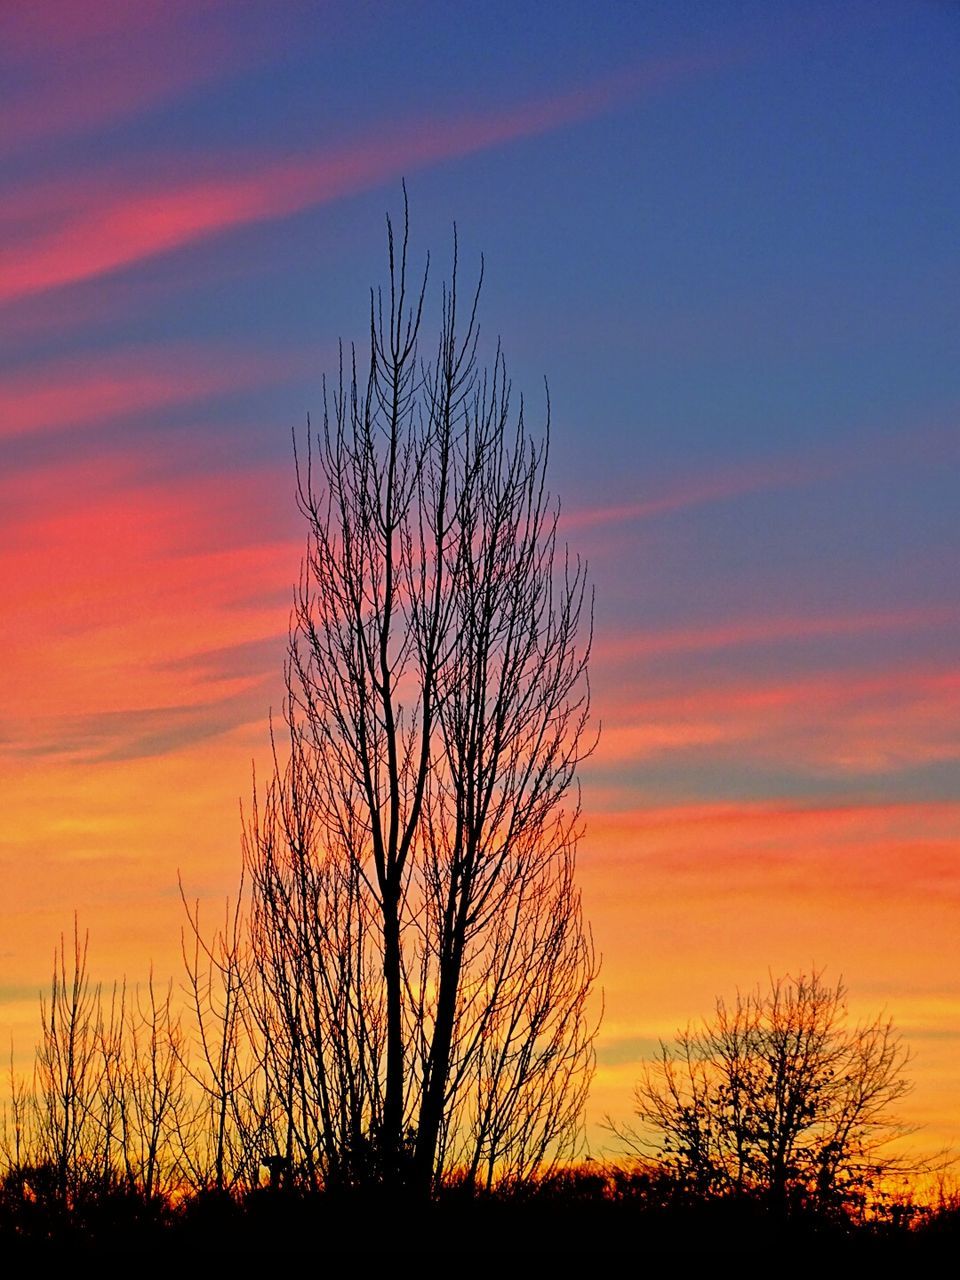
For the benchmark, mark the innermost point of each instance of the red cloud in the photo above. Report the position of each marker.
(826, 849)
(117, 589)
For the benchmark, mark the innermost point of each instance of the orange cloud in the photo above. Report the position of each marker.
(706, 836)
(692, 901)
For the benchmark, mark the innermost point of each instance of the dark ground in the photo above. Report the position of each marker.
(579, 1216)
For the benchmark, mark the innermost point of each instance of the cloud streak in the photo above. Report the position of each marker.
(880, 848)
(138, 732)
(122, 222)
(140, 598)
(91, 390)
(696, 491)
(841, 724)
(917, 446)
(114, 60)
(747, 632)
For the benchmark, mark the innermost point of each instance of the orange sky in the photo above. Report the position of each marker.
(740, 275)
(146, 648)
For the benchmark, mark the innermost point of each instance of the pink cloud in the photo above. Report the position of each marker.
(117, 222)
(837, 723)
(696, 491)
(753, 631)
(915, 446)
(120, 591)
(73, 67)
(78, 391)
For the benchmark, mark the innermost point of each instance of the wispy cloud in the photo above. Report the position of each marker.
(78, 392)
(696, 491)
(113, 60)
(842, 724)
(133, 596)
(116, 222)
(137, 732)
(864, 451)
(748, 632)
(875, 848)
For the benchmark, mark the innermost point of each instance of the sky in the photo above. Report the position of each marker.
(725, 234)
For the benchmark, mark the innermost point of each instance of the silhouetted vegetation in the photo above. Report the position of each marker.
(120, 1139)
(589, 1209)
(400, 988)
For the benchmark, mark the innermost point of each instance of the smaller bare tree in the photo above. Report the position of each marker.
(19, 1142)
(215, 1143)
(777, 1095)
(70, 1071)
(154, 1091)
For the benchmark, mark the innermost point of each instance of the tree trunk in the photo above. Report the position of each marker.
(391, 1138)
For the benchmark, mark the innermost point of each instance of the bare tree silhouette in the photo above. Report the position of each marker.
(420, 968)
(778, 1095)
(106, 1111)
(71, 1072)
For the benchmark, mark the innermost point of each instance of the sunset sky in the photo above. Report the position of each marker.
(725, 233)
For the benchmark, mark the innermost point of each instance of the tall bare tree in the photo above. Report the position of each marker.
(421, 965)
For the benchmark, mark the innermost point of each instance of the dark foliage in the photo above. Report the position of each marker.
(588, 1209)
